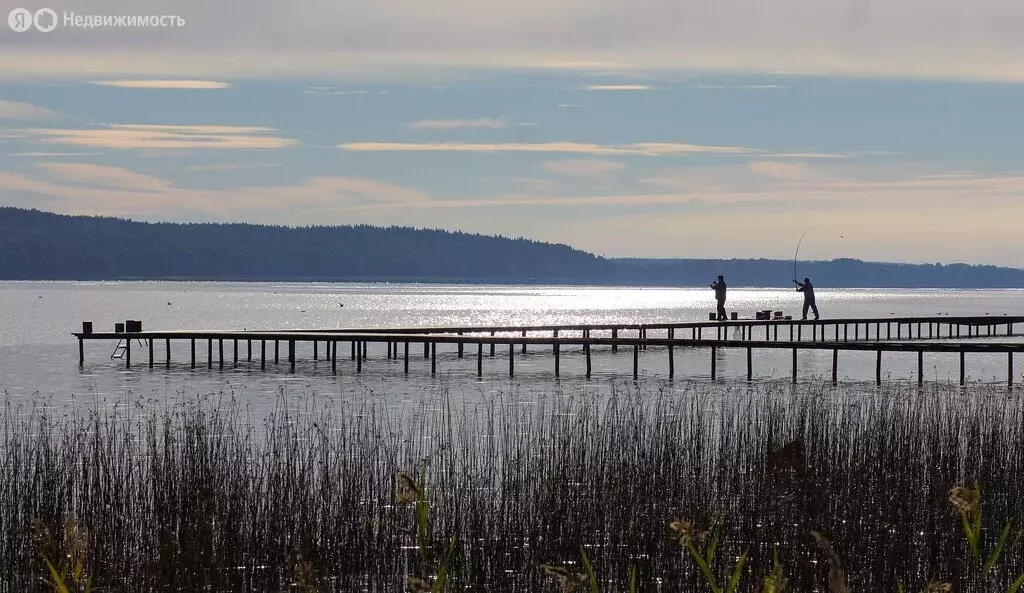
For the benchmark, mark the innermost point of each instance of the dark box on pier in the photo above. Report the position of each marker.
(133, 326)
(734, 315)
(712, 316)
(118, 328)
(86, 327)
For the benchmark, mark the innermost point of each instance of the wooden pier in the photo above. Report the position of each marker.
(943, 334)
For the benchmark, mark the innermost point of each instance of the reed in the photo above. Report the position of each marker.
(200, 496)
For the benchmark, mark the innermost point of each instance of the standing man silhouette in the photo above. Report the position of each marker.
(719, 286)
(808, 289)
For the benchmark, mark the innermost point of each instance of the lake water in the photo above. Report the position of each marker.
(38, 354)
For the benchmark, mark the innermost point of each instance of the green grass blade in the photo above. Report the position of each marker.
(994, 556)
(712, 548)
(442, 572)
(590, 571)
(58, 583)
(972, 540)
(704, 568)
(632, 578)
(899, 587)
(737, 572)
(1016, 586)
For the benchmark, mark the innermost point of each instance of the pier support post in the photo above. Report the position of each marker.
(920, 367)
(750, 363)
(277, 351)
(248, 350)
(291, 355)
(794, 366)
(150, 352)
(316, 349)
(714, 363)
(800, 333)
(359, 360)
(405, 357)
(193, 353)
(128, 353)
(558, 359)
(81, 352)
(492, 345)
(167, 349)
(962, 369)
(332, 346)
(235, 360)
(1009, 370)
(480, 359)
(461, 345)
(615, 336)
(554, 348)
(220, 352)
(209, 353)
(636, 360)
(671, 363)
(586, 349)
(511, 360)
(263, 355)
(524, 343)
(835, 366)
(426, 349)
(352, 344)
(878, 368)
(364, 347)
(433, 357)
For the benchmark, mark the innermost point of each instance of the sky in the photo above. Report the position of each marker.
(628, 128)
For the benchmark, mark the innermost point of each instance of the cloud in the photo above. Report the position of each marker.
(635, 149)
(104, 176)
(47, 155)
(894, 38)
(327, 91)
(617, 87)
(741, 87)
(598, 168)
(103, 190)
(163, 84)
(149, 136)
(454, 124)
(19, 110)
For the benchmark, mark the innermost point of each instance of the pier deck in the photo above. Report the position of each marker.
(943, 334)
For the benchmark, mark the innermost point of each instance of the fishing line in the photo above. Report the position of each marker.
(798, 243)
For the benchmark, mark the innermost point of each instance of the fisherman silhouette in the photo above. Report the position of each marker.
(719, 286)
(808, 289)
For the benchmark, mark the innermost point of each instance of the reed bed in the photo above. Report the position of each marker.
(201, 497)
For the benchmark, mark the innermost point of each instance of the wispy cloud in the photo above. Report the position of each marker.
(598, 168)
(454, 124)
(105, 176)
(48, 155)
(635, 149)
(617, 87)
(19, 110)
(327, 91)
(230, 166)
(163, 84)
(739, 87)
(151, 136)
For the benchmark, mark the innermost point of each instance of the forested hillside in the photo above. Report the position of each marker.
(38, 245)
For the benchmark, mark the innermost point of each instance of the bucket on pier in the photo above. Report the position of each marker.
(712, 316)
(118, 328)
(86, 327)
(778, 315)
(789, 318)
(734, 315)
(133, 326)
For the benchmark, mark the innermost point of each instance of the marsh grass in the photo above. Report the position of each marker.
(200, 497)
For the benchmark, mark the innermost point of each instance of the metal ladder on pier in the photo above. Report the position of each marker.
(122, 346)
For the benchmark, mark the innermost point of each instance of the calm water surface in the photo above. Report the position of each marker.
(38, 355)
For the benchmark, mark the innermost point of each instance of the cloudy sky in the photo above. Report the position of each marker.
(654, 128)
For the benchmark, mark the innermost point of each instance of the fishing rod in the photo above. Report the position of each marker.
(795, 255)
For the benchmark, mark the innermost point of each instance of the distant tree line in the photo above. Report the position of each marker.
(37, 245)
